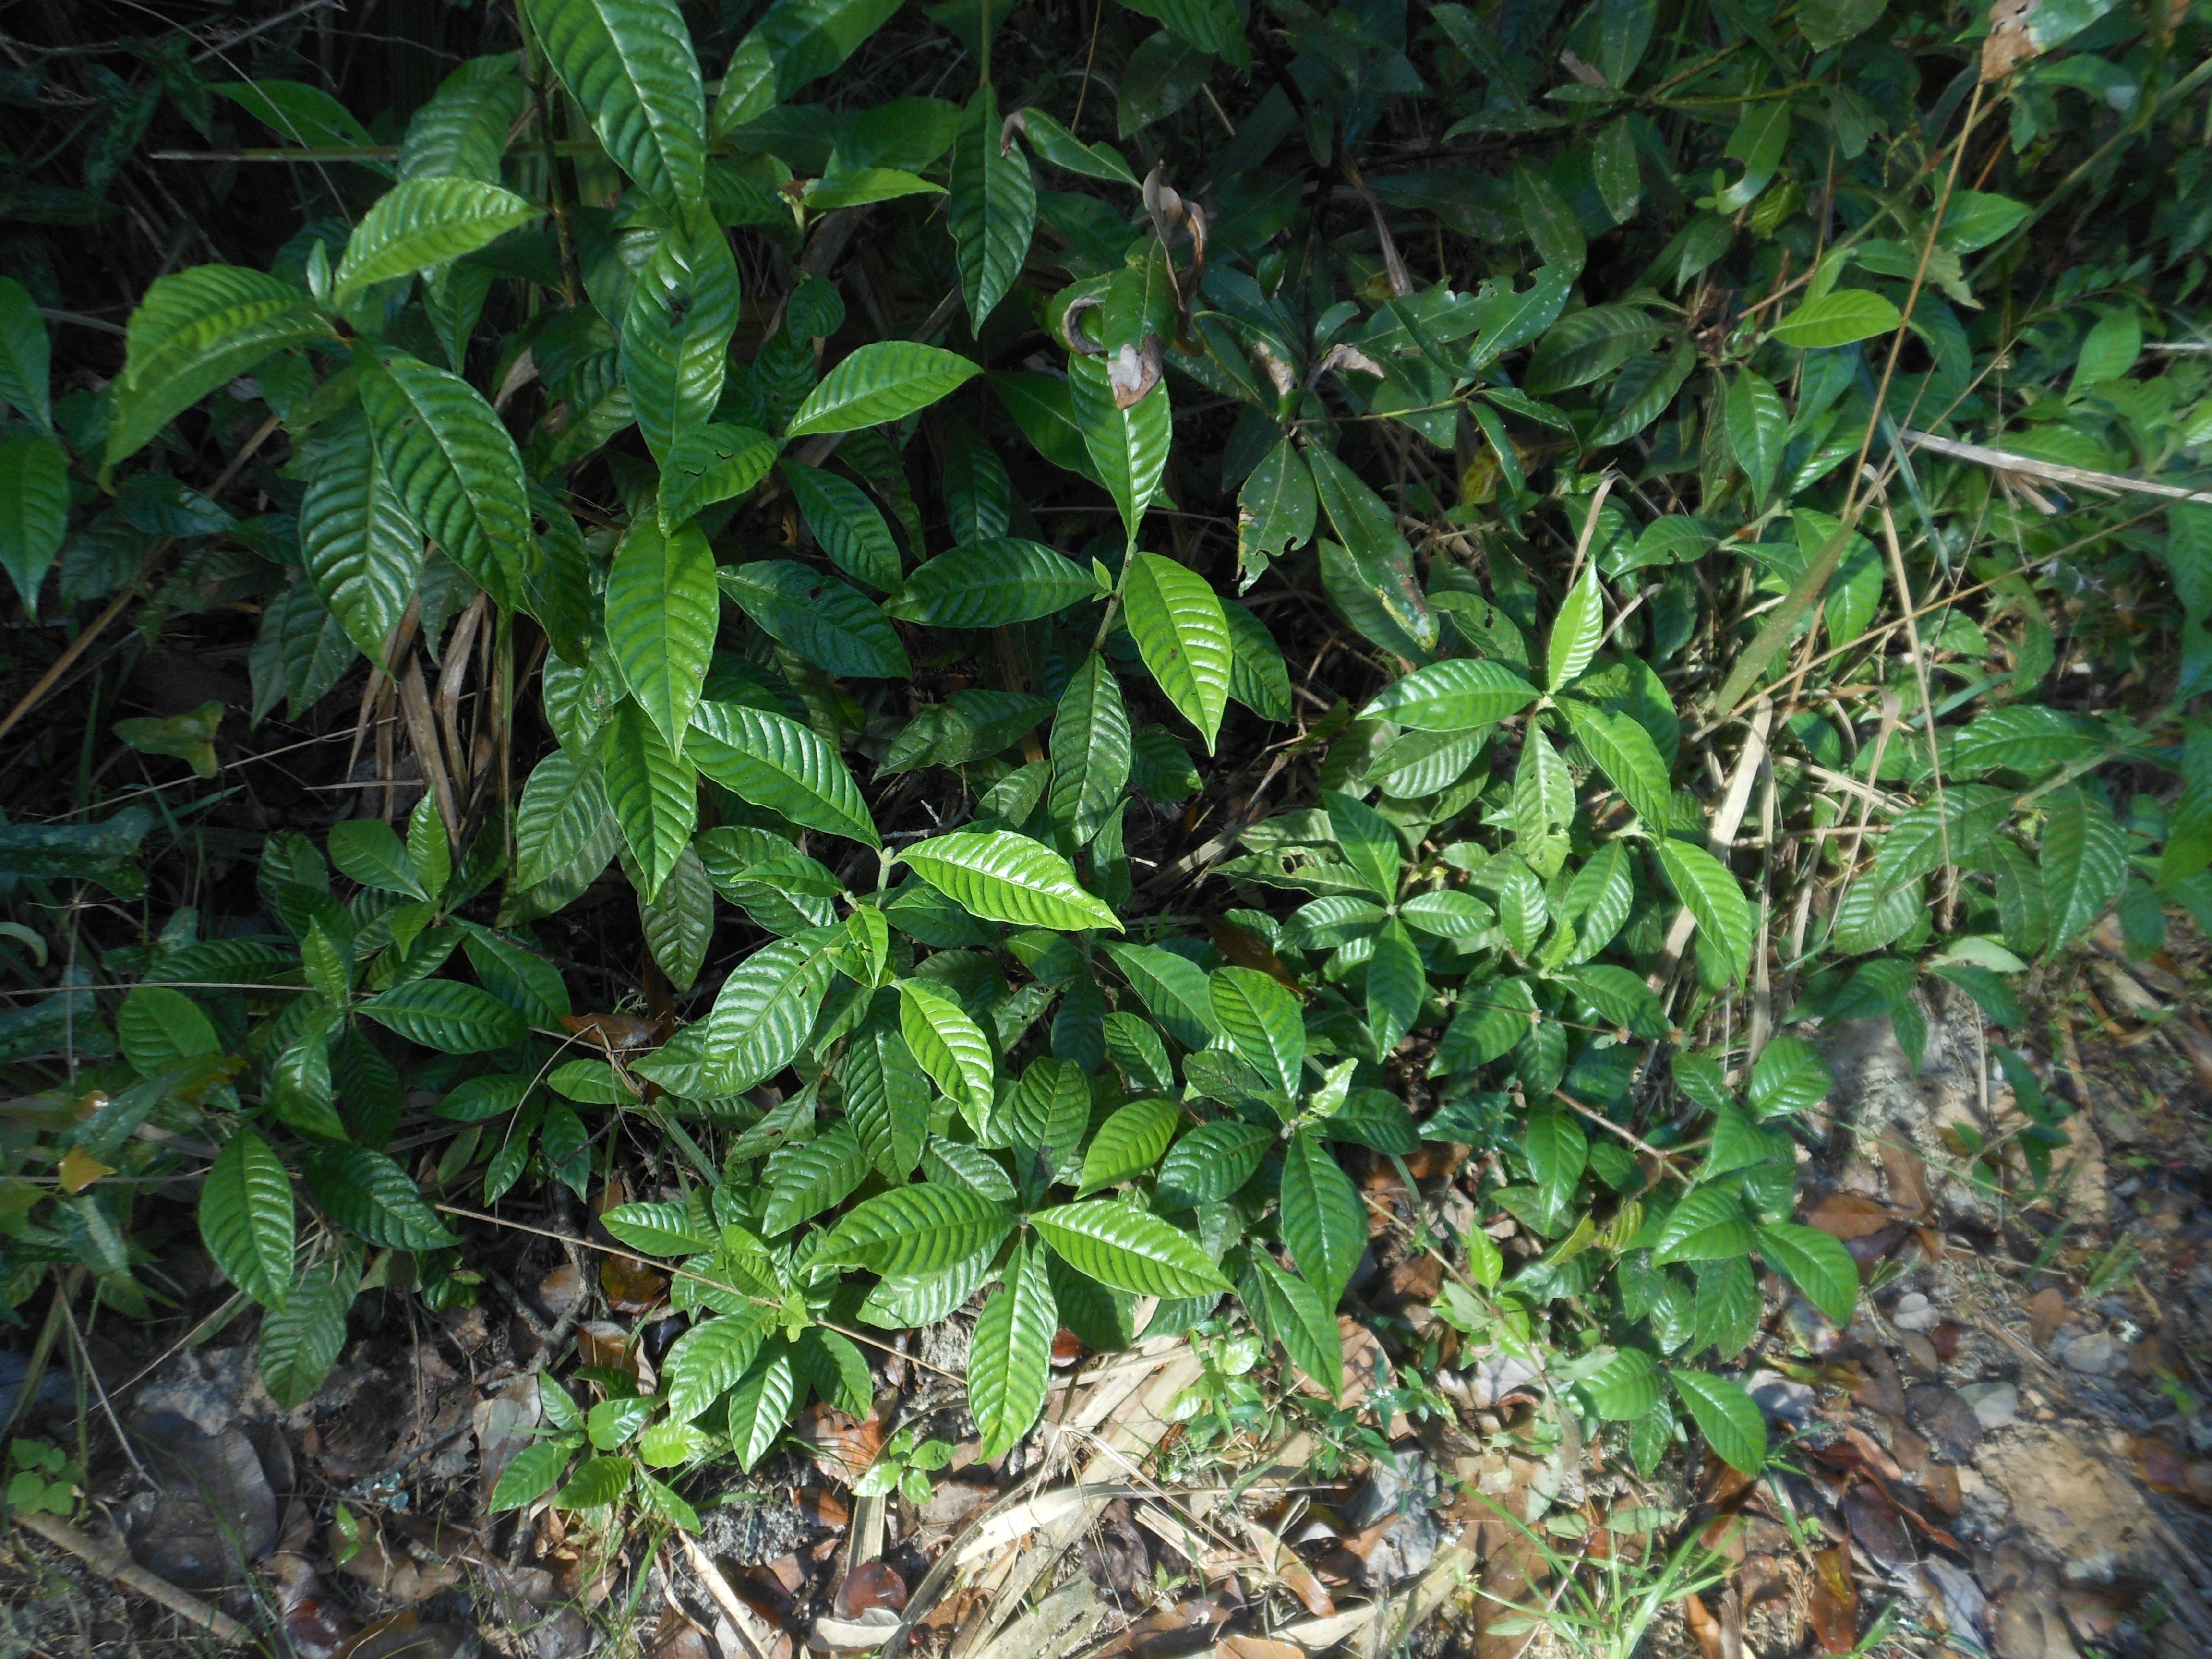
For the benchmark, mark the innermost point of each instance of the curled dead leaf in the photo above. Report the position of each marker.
(2009, 44)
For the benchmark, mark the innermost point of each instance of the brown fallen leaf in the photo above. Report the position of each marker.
(2007, 45)
(1906, 1173)
(1834, 1609)
(631, 1287)
(1246, 948)
(1877, 1527)
(603, 1342)
(1704, 1626)
(618, 1034)
(1940, 1483)
(1847, 1216)
(2046, 1312)
(821, 1508)
(843, 1446)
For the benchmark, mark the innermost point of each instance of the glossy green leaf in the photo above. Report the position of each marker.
(630, 64)
(707, 1360)
(1627, 1387)
(992, 583)
(26, 356)
(846, 525)
(1210, 1164)
(246, 1217)
(949, 1046)
(362, 551)
(1817, 1263)
(1707, 1226)
(1128, 447)
(1089, 749)
(992, 210)
(709, 463)
(1263, 1023)
(1004, 877)
(423, 223)
(831, 625)
(919, 1229)
(879, 383)
(675, 331)
(1727, 1416)
(1454, 695)
(33, 511)
(1129, 1143)
(794, 42)
(1702, 882)
(299, 1341)
(1177, 622)
(2085, 859)
(654, 792)
(1128, 1249)
(765, 1008)
(367, 1194)
(1837, 319)
(773, 761)
(1323, 1221)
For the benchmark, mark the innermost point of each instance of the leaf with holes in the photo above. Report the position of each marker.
(709, 463)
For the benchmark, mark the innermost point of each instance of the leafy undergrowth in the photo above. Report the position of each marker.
(975, 686)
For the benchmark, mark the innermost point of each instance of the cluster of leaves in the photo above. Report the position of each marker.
(834, 658)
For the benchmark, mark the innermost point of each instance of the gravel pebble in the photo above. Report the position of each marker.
(1915, 1312)
(1995, 1403)
(2092, 1356)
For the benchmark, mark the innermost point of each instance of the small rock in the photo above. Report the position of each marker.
(1995, 1403)
(1781, 1398)
(2091, 1356)
(1948, 1421)
(1965, 1608)
(1915, 1312)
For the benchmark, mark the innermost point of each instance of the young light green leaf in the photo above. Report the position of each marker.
(246, 1217)
(879, 383)
(1128, 1249)
(1627, 1387)
(1576, 630)
(1004, 877)
(1837, 319)
(1181, 632)
(1009, 1357)
(629, 63)
(773, 761)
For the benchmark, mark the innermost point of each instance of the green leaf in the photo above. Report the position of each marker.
(918, 1230)
(26, 355)
(461, 133)
(887, 1094)
(1004, 877)
(2022, 737)
(1010, 1356)
(1294, 1314)
(1826, 23)
(195, 331)
(359, 548)
(1558, 1152)
(1707, 1226)
(1702, 882)
(1043, 407)
(598, 1483)
(675, 331)
(831, 625)
(992, 212)
(1631, 760)
(1181, 632)
(1176, 989)
(759, 1405)
(1128, 448)
(1210, 1164)
(532, 1471)
(1550, 222)
(371, 852)
(765, 1009)
(879, 383)
(367, 1194)
(654, 792)
(1837, 319)
(679, 921)
(563, 822)
(1576, 631)
(33, 511)
(1370, 845)
(992, 583)
(1455, 695)
(423, 223)
(794, 42)
(1323, 1221)
(1263, 1022)
(1789, 1077)
(1128, 1249)
(707, 1360)
(160, 1028)
(1129, 1143)
(710, 464)
(1089, 749)
(629, 63)
(1727, 1416)
(1816, 1263)
(1380, 561)
(1057, 145)
(1627, 1387)
(453, 466)
(300, 1340)
(446, 1015)
(2084, 862)
(1397, 985)
(659, 1229)
(814, 1176)
(949, 1046)
(846, 525)
(1276, 508)
(1758, 429)
(773, 761)
(246, 1217)
(859, 186)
